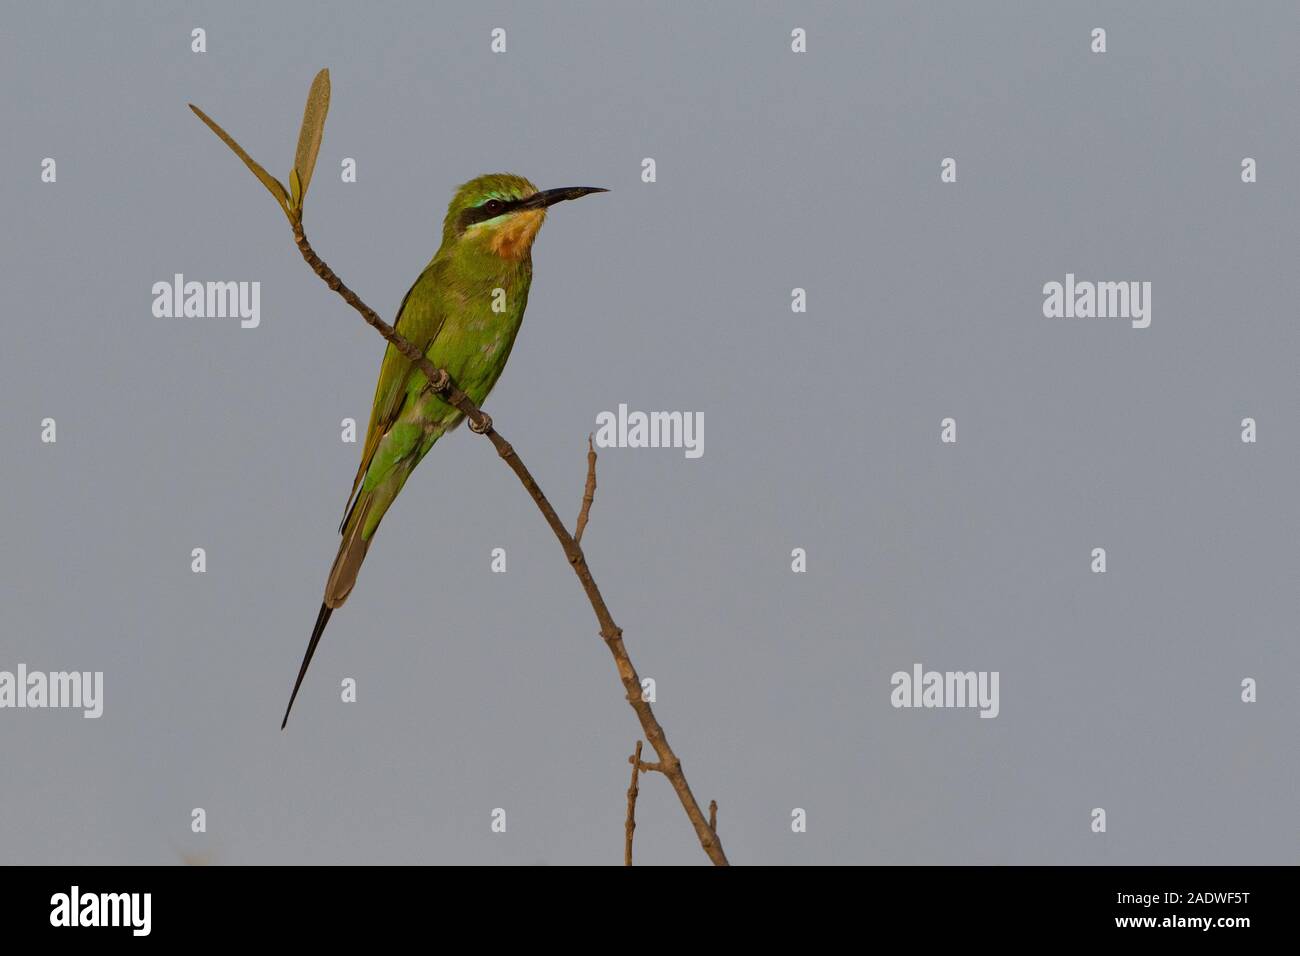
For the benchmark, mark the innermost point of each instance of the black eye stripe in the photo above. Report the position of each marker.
(482, 212)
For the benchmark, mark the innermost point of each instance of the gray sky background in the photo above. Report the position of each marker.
(775, 170)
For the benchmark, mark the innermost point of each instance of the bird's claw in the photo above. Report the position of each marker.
(484, 428)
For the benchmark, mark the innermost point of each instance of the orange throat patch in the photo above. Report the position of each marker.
(513, 239)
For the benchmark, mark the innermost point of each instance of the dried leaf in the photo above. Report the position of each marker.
(313, 130)
(295, 191)
(269, 181)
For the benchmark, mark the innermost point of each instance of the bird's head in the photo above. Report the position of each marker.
(501, 213)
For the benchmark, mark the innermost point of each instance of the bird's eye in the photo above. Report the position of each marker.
(493, 206)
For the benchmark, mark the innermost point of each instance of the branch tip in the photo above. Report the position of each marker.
(629, 827)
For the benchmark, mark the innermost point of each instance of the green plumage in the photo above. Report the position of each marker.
(449, 315)
(463, 312)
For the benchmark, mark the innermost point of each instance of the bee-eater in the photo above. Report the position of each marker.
(463, 313)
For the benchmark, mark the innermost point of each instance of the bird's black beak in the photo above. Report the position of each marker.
(549, 197)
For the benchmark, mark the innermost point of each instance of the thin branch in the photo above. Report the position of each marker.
(630, 826)
(440, 382)
(713, 815)
(588, 493)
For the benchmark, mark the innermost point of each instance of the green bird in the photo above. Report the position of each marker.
(463, 313)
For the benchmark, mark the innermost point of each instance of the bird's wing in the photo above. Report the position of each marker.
(419, 319)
